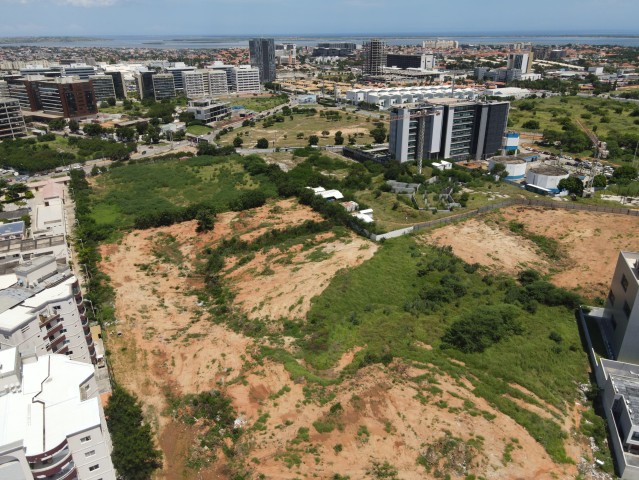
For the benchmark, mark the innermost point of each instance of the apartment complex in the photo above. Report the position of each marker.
(208, 110)
(66, 97)
(11, 119)
(262, 55)
(52, 425)
(375, 57)
(447, 128)
(163, 85)
(42, 311)
(103, 87)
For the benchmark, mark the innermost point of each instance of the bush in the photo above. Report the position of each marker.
(531, 125)
(262, 143)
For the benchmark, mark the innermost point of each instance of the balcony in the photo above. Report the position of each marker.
(55, 342)
(44, 319)
(67, 473)
(87, 330)
(81, 308)
(63, 350)
(78, 298)
(84, 320)
(51, 465)
(53, 330)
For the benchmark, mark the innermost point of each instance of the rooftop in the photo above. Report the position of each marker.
(549, 170)
(48, 405)
(625, 381)
(12, 228)
(508, 160)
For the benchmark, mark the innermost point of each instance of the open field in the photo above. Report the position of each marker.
(352, 414)
(255, 102)
(590, 244)
(285, 133)
(198, 129)
(133, 190)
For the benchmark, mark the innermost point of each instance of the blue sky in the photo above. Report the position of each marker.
(253, 17)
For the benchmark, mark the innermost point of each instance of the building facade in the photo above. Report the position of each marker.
(103, 87)
(42, 311)
(521, 61)
(208, 110)
(119, 84)
(177, 70)
(163, 86)
(52, 424)
(218, 83)
(195, 83)
(447, 128)
(245, 79)
(262, 54)
(11, 119)
(375, 57)
(423, 61)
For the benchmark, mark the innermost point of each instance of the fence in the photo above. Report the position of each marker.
(497, 206)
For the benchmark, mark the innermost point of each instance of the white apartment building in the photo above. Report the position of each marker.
(11, 119)
(52, 425)
(42, 311)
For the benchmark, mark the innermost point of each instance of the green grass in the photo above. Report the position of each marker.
(284, 134)
(198, 129)
(357, 309)
(258, 104)
(136, 189)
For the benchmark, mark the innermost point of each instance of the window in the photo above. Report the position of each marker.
(611, 297)
(85, 439)
(624, 283)
(24, 329)
(626, 309)
(90, 453)
(92, 468)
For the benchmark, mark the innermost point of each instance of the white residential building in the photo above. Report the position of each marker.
(245, 79)
(52, 425)
(42, 311)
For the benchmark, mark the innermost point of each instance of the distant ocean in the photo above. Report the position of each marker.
(203, 41)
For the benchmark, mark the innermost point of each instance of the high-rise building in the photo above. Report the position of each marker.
(43, 312)
(520, 61)
(423, 61)
(119, 84)
(245, 79)
(262, 54)
(145, 84)
(196, 83)
(375, 57)
(447, 128)
(52, 425)
(78, 70)
(4, 89)
(11, 119)
(218, 83)
(163, 86)
(176, 70)
(64, 96)
(103, 87)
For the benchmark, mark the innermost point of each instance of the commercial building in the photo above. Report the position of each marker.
(218, 83)
(11, 120)
(339, 49)
(208, 110)
(145, 84)
(262, 54)
(119, 84)
(52, 425)
(386, 98)
(42, 311)
(205, 83)
(447, 128)
(103, 87)
(163, 86)
(78, 70)
(176, 70)
(245, 79)
(423, 61)
(440, 44)
(375, 57)
(521, 61)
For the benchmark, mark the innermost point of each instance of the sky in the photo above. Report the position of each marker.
(312, 17)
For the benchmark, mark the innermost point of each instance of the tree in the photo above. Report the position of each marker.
(499, 169)
(625, 174)
(379, 133)
(205, 220)
(57, 124)
(111, 101)
(104, 105)
(93, 129)
(531, 125)
(325, 133)
(313, 140)
(134, 454)
(237, 142)
(599, 181)
(262, 143)
(74, 126)
(125, 134)
(339, 138)
(573, 185)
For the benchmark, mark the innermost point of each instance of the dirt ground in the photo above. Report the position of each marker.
(162, 343)
(591, 244)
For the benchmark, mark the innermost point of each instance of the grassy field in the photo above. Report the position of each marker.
(285, 133)
(608, 117)
(198, 129)
(132, 190)
(256, 103)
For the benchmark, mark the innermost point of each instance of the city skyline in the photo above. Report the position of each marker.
(222, 17)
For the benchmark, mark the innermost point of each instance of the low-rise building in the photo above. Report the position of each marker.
(42, 311)
(209, 110)
(52, 425)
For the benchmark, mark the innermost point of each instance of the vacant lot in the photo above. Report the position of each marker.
(134, 190)
(255, 102)
(285, 134)
(590, 244)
